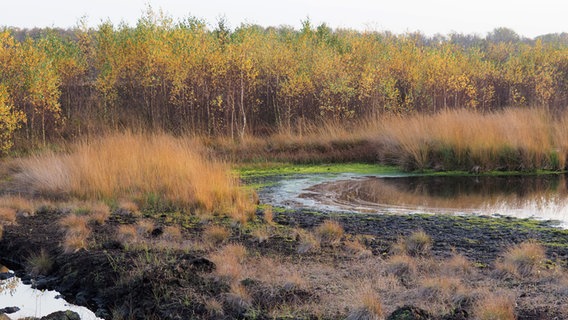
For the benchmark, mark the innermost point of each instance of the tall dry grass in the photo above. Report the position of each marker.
(156, 170)
(512, 139)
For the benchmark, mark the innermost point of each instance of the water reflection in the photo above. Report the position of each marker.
(543, 196)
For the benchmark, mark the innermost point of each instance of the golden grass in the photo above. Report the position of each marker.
(403, 267)
(495, 307)
(127, 234)
(268, 215)
(228, 261)
(75, 242)
(329, 232)
(418, 243)
(7, 216)
(307, 241)
(20, 204)
(74, 224)
(523, 260)
(172, 234)
(370, 305)
(215, 235)
(157, 170)
(145, 227)
(356, 249)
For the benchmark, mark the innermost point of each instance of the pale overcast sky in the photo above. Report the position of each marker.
(528, 18)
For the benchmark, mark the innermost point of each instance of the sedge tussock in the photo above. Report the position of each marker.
(370, 306)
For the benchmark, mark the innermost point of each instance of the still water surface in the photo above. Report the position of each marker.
(536, 196)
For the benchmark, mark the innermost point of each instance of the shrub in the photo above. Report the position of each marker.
(329, 232)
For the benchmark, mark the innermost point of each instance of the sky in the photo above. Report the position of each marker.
(527, 18)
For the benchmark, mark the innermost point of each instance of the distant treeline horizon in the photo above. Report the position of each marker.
(185, 77)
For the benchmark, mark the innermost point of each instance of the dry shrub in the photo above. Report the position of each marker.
(39, 263)
(370, 307)
(215, 235)
(329, 232)
(7, 216)
(135, 166)
(22, 205)
(416, 244)
(172, 234)
(307, 241)
(404, 267)
(495, 307)
(523, 260)
(127, 234)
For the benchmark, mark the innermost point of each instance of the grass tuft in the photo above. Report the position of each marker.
(7, 216)
(371, 307)
(329, 232)
(39, 264)
(215, 235)
(523, 260)
(416, 244)
(495, 307)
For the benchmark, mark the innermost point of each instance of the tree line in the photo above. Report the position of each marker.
(183, 76)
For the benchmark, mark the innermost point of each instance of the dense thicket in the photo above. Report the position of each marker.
(183, 76)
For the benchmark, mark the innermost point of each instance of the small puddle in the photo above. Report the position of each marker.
(542, 197)
(32, 302)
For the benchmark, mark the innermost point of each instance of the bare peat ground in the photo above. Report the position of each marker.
(164, 278)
